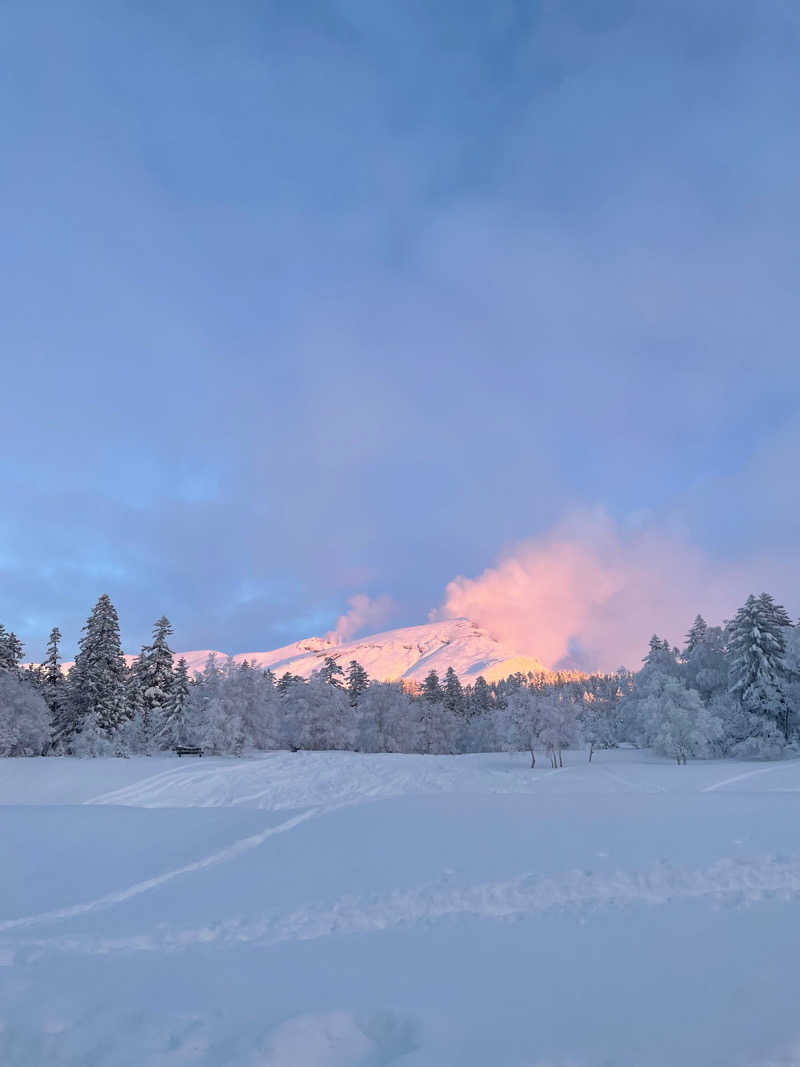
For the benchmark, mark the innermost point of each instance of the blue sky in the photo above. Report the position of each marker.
(308, 300)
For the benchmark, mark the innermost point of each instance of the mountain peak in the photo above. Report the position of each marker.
(409, 653)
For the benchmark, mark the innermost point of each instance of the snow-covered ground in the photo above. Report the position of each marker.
(340, 910)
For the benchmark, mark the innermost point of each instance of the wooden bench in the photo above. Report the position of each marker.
(189, 750)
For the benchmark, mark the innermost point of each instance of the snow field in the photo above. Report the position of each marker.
(334, 909)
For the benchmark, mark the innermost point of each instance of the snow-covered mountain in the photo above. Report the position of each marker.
(409, 653)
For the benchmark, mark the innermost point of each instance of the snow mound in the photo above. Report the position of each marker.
(337, 1039)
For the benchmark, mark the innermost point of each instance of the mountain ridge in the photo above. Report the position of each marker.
(404, 654)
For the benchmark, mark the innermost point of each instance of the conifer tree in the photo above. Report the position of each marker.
(52, 674)
(137, 729)
(174, 725)
(11, 650)
(155, 670)
(54, 689)
(757, 672)
(696, 636)
(431, 688)
(705, 662)
(357, 681)
(453, 693)
(331, 672)
(284, 682)
(481, 695)
(97, 681)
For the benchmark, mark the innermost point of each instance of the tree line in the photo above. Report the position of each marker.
(730, 690)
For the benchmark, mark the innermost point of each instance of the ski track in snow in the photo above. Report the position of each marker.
(747, 774)
(282, 781)
(727, 881)
(147, 790)
(118, 896)
(146, 793)
(327, 784)
(729, 878)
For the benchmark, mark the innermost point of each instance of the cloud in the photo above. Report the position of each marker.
(363, 612)
(590, 593)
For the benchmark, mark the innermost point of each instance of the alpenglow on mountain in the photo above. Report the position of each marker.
(409, 654)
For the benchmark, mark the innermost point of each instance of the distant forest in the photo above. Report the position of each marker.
(731, 690)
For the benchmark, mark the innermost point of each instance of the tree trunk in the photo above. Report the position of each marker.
(533, 760)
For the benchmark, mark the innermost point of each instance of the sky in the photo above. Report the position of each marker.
(335, 315)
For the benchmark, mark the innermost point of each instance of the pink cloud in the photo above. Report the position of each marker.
(589, 591)
(364, 612)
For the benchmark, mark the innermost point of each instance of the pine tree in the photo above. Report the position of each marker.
(97, 681)
(431, 688)
(156, 672)
(52, 673)
(137, 727)
(11, 650)
(357, 682)
(54, 689)
(285, 682)
(705, 663)
(696, 636)
(757, 672)
(661, 655)
(134, 687)
(330, 672)
(453, 693)
(173, 730)
(481, 695)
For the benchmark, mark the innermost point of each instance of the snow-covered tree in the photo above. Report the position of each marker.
(215, 722)
(357, 681)
(156, 673)
(758, 674)
(520, 723)
(697, 635)
(680, 725)
(11, 650)
(598, 718)
(24, 717)
(705, 662)
(331, 672)
(431, 688)
(97, 680)
(386, 721)
(661, 657)
(436, 726)
(174, 725)
(92, 739)
(285, 681)
(557, 726)
(453, 693)
(481, 696)
(54, 689)
(658, 668)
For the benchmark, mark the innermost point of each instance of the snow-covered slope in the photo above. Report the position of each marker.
(409, 653)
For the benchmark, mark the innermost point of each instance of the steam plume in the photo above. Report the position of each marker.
(363, 612)
(588, 595)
